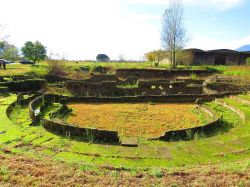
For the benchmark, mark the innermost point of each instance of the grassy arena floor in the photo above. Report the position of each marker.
(222, 159)
(136, 120)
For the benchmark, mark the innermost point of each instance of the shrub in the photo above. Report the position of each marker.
(193, 76)
(56, 67)
(157, 172)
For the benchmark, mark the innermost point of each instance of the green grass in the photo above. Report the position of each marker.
(42, 68)
(15, 69)
(21, 69)
(247, 97)
(72, 67)
(149, 154)
(5, 173)
(128, 86)
(235, 71)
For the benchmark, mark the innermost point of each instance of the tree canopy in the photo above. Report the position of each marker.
(34, 51)
(102, 58)
(9, 52)
(2, 45)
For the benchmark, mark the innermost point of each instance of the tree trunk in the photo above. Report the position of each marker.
(174, 60)
(174, 50)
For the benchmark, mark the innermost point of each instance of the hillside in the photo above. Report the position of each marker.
(244, 48)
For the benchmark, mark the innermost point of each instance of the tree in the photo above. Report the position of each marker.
(155, 56)
(173, 33)
(34, 51)
(9, 52)
(3, 38)
(121, 58)
(2, 45)
(184, 57)
(102, 58)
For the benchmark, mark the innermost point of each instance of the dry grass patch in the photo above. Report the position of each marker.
(143, 120)
(24, 171)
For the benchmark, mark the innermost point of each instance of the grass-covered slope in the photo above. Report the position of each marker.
(226, 151)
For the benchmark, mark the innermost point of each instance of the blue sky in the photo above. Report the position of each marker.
(80, 29)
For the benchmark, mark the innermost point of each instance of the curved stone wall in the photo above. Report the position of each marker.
(66, 129)
(177, 98)
(19, 102)
(33, 105)
(89, 134)
(53, 78)
(113, 136)
(233, 109)
(143, 87)
(241, 100)
(189, 133)
(24, 85)
(160, 73)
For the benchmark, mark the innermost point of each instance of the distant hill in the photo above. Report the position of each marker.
(244, 48)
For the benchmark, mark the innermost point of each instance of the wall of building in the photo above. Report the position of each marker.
(208, 58)
(233, 59)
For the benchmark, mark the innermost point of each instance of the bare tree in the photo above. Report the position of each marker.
(121, 58)
(173, 32)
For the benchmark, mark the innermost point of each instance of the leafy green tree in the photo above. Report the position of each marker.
(34, 51)
(3, 38)
(102, 58)
(2, 45)
(9, 52)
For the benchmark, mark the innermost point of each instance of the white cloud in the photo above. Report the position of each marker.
(207, 43)
(243, 41)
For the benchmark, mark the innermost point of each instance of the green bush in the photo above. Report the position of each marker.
(157, 172)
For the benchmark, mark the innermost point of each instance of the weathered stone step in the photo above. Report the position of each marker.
(130, 141)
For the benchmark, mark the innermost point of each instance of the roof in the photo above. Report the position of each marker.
(218, 51)
(222, 51)
(195, 50)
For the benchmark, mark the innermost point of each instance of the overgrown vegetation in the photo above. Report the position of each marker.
(157, 160)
